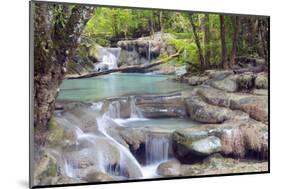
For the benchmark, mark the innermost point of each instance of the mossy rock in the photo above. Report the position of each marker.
(46, 167)
(58, 136)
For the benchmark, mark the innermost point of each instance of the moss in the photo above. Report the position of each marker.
(55, 133)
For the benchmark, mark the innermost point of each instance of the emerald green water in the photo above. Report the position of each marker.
(116, 85)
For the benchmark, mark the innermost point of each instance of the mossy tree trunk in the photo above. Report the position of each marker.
(56, 36)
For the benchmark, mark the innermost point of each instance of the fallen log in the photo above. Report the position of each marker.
(137, 68)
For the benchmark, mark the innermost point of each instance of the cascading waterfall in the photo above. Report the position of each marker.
(93, 144)
(135, 111)
(126, 159)
(114, 109)
(149, 53)
(156, 149)
(109, 59)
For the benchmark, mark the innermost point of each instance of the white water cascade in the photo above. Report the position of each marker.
(135, 111)
(109, 59)
(156, 148)
(98, 146)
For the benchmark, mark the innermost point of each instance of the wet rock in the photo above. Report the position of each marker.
(255, 106)
(261, 81)
(218, 74)
(214, 96)
(144, 49)
(194, 146)
(196, 80)
(98, 177)
(68, 180)
(180, 71)
(134, 137)
(169, 168)
(58, 136)
(262, 92)
(161, 106)
(207, 145)
(199, 110)
(47, 167)
(227, 84)
(246, 80)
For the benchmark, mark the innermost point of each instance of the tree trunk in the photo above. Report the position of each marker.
(197, 41)
(236, 24)
(207, 40)
(161, 23)
(224, 63)
(53, 48)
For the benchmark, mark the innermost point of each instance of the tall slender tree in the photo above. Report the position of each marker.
(224, 63)
(197, 41)
(207, 40)
(236, 25)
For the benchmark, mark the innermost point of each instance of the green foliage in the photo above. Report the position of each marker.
(188, 47)
(110, 25)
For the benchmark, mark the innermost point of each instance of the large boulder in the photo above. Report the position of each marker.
(169, 168)
(59, 136)
(196, 80)
(98, 177)
(226, 84)
(254, 105)
(194, 146)
(45, 168)
(261, 81)
(246, 80)
(199, 110)
(218, 74)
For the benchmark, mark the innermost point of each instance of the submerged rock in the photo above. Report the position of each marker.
(153, 106)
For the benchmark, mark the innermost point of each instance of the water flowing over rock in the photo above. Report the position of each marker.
(109, 59)
(144, 49)
(156, 148)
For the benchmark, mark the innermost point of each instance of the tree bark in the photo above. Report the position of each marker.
(207, 40)
(224, 63)
(236, 24)
(53, 48)
(197, 41)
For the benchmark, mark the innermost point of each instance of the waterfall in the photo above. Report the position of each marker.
(156, 148)
(135, 111)
(109, 59)
(114, 109)
(127, 164)
(126, 158)
(149, 53)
